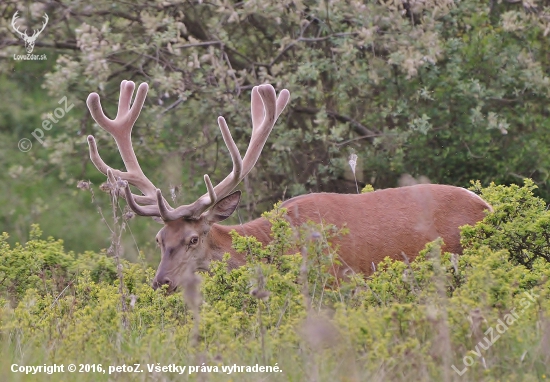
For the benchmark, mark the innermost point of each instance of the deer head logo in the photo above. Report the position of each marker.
(29, 40)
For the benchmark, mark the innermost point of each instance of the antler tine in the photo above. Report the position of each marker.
(206, 201)
(122, 125)
(16, 28)
(121, 130)
(266, 108)
(147, 210)
(262, 127)
(36, 32)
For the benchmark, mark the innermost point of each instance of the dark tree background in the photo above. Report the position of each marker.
(445, 90)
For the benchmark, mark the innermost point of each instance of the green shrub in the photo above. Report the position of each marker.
(407, 321)
(520, 224)
(45, 266)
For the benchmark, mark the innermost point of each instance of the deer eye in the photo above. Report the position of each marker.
(194, 240)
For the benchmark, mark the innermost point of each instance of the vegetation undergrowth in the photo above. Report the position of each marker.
(481, 316)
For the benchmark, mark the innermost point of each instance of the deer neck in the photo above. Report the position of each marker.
(221, 242)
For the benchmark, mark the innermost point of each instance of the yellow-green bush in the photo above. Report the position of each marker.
(519, 224)
(408, 321)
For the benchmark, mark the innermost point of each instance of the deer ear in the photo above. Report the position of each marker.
(224, 208)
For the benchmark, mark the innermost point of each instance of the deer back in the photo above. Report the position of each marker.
(389, 222)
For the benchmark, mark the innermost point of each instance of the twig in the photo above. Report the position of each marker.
(361, 137)
(172, 106)
(205, 43)
(115, 245)
(359, 128)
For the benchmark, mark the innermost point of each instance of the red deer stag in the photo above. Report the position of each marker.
(381, 223)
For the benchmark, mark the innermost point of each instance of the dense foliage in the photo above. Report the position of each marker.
(449, 90)
(409, 321)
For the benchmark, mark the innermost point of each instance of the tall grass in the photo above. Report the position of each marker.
(409, 321)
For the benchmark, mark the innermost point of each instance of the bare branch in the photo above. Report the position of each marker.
(359, 128)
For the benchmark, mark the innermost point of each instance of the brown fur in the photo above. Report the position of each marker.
(381, 223)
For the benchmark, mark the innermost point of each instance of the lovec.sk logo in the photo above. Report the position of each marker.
(29, 40)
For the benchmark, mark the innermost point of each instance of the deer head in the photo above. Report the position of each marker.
(185, 240)
(29, 40)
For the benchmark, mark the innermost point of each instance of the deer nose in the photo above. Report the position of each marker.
(159, 282)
